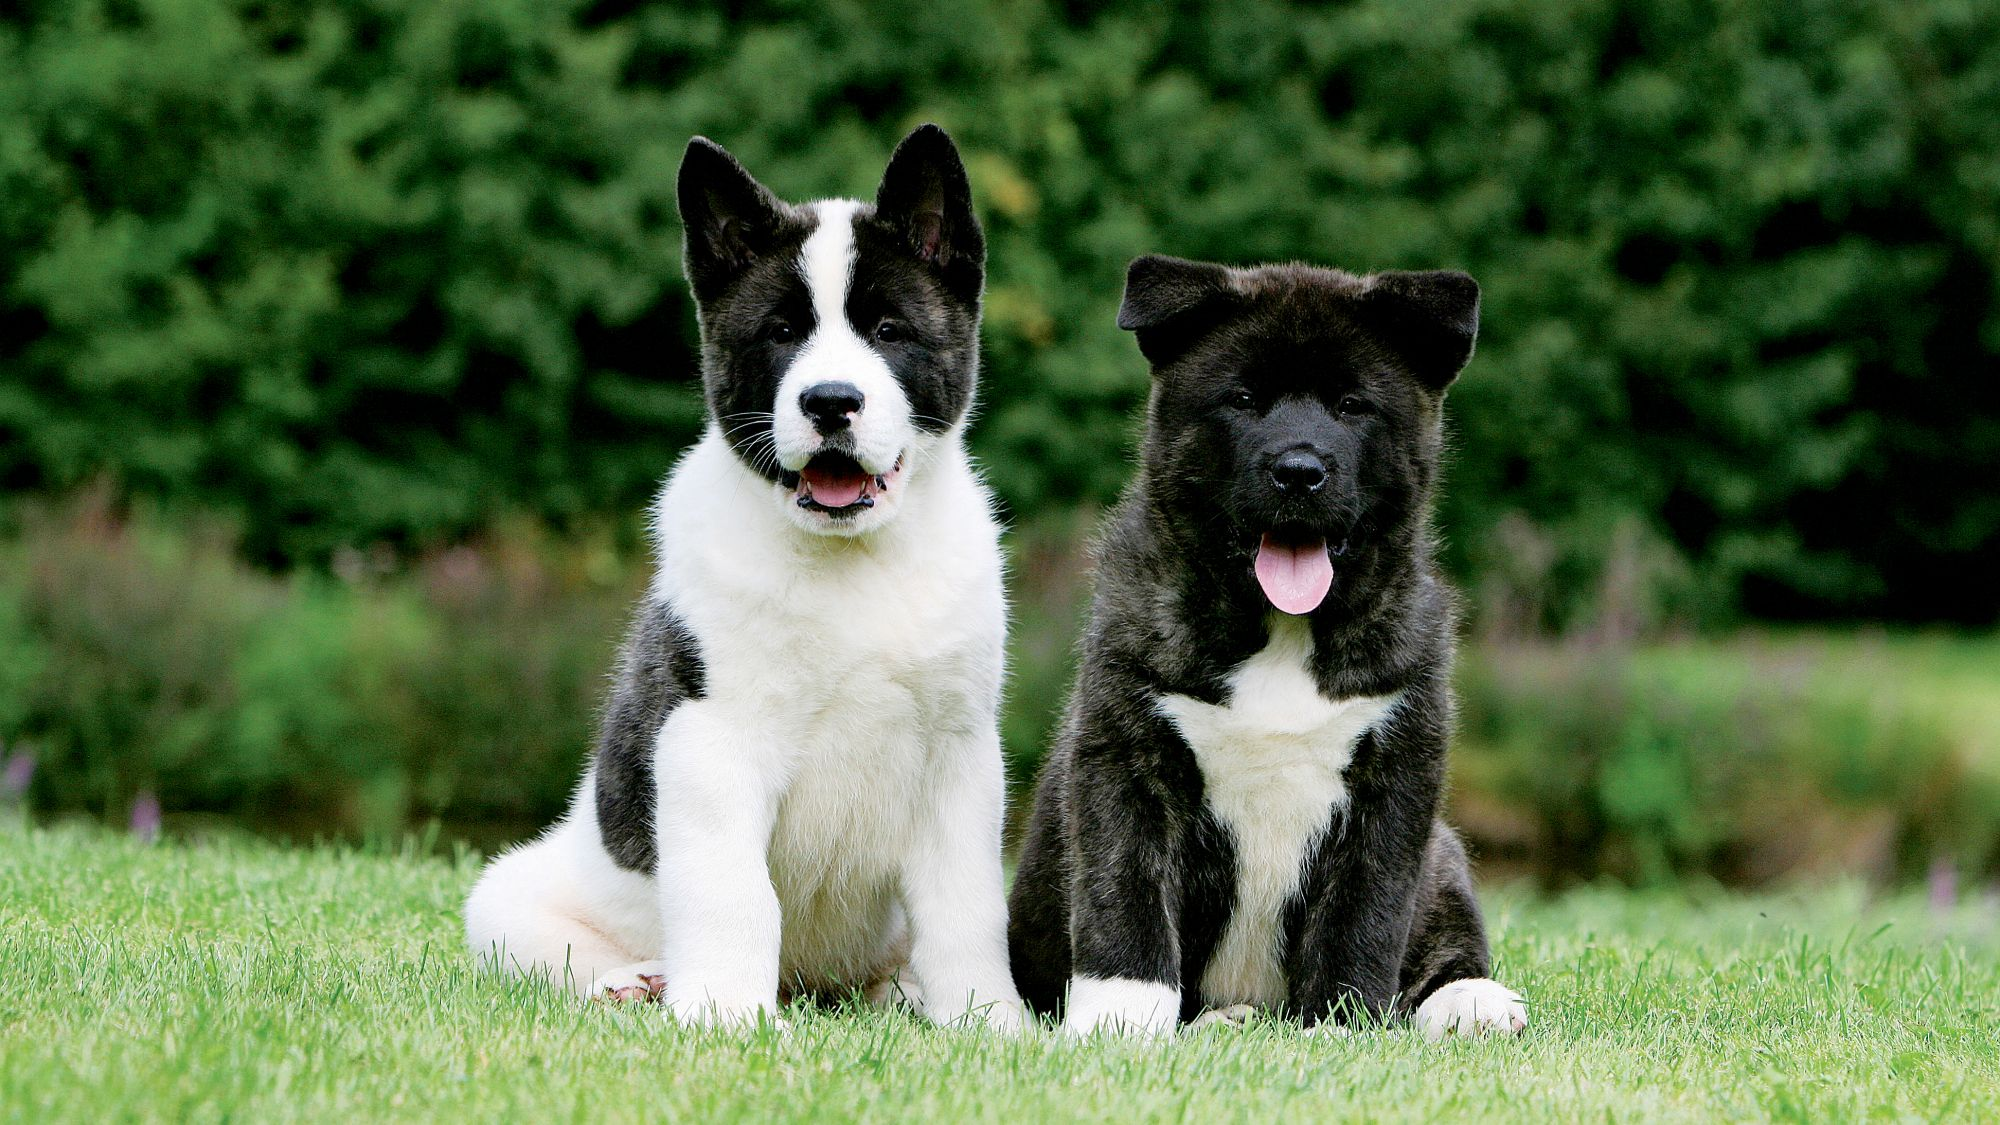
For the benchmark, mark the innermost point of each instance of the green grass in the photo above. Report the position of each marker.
(235, 980)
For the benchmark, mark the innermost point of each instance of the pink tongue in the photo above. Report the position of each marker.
(835, 490)
(1295, 578)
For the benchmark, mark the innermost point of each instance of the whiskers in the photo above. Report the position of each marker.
(750, 418)
(761, 445)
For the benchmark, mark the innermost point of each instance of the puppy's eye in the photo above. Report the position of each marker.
(889, 332)
(1354, 406)
(1243, 400)
(780, 333)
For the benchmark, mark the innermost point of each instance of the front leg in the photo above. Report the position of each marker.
(719, 912)
(953, 890)
(1125, 893)
(1345, 963)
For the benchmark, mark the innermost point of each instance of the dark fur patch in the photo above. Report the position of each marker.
(926, 202)
(659, 669)
(1125, 872)
(740, 250)
(935, 352)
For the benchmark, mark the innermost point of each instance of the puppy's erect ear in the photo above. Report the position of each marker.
(925, 198)
(1431, 317)
(729, 219)
(1170, 301)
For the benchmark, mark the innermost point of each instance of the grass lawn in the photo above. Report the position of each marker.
(236, 980)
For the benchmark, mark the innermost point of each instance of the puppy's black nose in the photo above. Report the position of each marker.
(1298, 472)
(831, 406)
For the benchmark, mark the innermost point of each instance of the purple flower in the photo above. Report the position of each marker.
(1943, 884)
(20, 771)
(146, 817)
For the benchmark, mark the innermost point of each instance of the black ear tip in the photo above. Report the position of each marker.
(928, 142)
(1461, 290)
(1459, 283)
(1435, 288)
(1145, 270)
(1159, 286)
(702, 153)
(1172, 262)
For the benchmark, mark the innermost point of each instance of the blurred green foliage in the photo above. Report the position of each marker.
(1747, 760)
(361, 272)
(135, 658)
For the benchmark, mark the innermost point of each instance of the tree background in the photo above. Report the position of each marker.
(370, 285)
(361, 273)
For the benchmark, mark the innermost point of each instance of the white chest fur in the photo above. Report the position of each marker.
(1273, 757)
(852, 674)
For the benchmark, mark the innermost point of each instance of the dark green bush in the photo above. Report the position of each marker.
(348, 272)
(357, 272)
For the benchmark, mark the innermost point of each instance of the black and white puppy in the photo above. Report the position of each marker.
(1241, 809)
(798, 785)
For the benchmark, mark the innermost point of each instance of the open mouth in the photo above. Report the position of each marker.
(1295, 568)
(836, 484)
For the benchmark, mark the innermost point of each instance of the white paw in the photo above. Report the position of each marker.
(1472, 1007)
(1235, 1015)
(729, 1017)
(1124, 1007)
(1328, 1029)
(998, 1009)
(1002, 1017)
(641, 982)
(744, 1011)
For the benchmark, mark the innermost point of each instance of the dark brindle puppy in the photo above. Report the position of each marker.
(1241, 811)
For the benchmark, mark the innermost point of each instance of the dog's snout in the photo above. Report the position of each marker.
(831, 406)
(1298, 471)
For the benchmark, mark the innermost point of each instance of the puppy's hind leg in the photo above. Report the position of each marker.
(1445, 965)
(550, 907)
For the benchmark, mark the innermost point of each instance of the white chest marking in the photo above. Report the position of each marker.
(1273, 758)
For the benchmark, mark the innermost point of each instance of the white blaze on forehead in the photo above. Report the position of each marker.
(833, 352)
(827, 261)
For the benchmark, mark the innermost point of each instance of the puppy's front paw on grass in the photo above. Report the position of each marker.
(1472, 1007)
(1001, 1017)
(1235, 1015)
(1120, 1006)
(641, 983)
(739, 1018)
